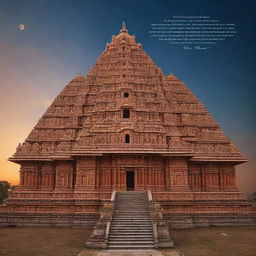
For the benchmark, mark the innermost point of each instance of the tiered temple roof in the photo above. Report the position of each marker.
(126, 104)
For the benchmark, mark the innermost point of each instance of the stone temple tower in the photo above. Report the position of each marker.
(126, 126)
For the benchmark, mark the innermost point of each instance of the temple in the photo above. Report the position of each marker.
(126, 126)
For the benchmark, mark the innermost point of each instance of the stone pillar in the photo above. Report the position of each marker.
(167, 174)
(97, 179)
(149, 174)
(86, 173)
(37, 178)
(195, 177)
(139, 172)
(118, 178)
(136, 179)
(143, 177)
(122, 179)
(21, 178)
(114, 182)
(47, 176)
(177, 168)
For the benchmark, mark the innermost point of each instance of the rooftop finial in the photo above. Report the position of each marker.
(123, 30)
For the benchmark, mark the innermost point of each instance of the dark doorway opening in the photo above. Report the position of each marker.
(130, 180)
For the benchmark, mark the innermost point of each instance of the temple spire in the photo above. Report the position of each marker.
(123, 29)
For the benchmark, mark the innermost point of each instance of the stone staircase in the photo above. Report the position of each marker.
(131, 226)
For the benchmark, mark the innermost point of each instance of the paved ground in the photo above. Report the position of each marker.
(171, 252)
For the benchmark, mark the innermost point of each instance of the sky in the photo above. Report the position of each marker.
(64, 38)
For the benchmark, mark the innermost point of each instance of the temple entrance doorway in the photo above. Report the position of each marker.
(130, 180)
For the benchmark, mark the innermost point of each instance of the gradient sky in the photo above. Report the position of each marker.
(63, 38)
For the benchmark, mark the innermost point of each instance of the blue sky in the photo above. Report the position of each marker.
(63, 38)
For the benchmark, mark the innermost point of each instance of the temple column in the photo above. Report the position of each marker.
(110, 178)
(123, 179)
(108, 183)
(204, 180)
(153, 177)
(37, 179)
(114, 178)
(167, 174)
(46, 176)
(143, 177)
(21, 178)
(149, 174)
(119, 181)
(139, 178)
(160, 181)
(163, 175)
(97, 179)
(136, 179)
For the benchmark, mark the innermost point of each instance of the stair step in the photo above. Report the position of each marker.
(128, 231)
(142, 221)
(130, 247)
(133, 242)
(121, 222)
(131, 236)
(132, 226)
(132, 233)
(150, 239)
(131, 214)
(115, 224)
(131, 229)
(134, 213)
(123, 211)
(132, 218)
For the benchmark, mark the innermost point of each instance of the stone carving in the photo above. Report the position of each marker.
(36, 147)
(99, 237)
(26, 147)
(161, 231)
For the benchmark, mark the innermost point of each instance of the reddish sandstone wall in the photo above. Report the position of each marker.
(212, 176)
(107, 173)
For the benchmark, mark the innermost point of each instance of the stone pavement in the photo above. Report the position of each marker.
(169, 252)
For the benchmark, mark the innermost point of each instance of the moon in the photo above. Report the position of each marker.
(22, 27)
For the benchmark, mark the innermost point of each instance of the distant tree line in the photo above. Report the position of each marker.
(4, 187)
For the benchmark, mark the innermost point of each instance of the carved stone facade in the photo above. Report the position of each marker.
(126, 125)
